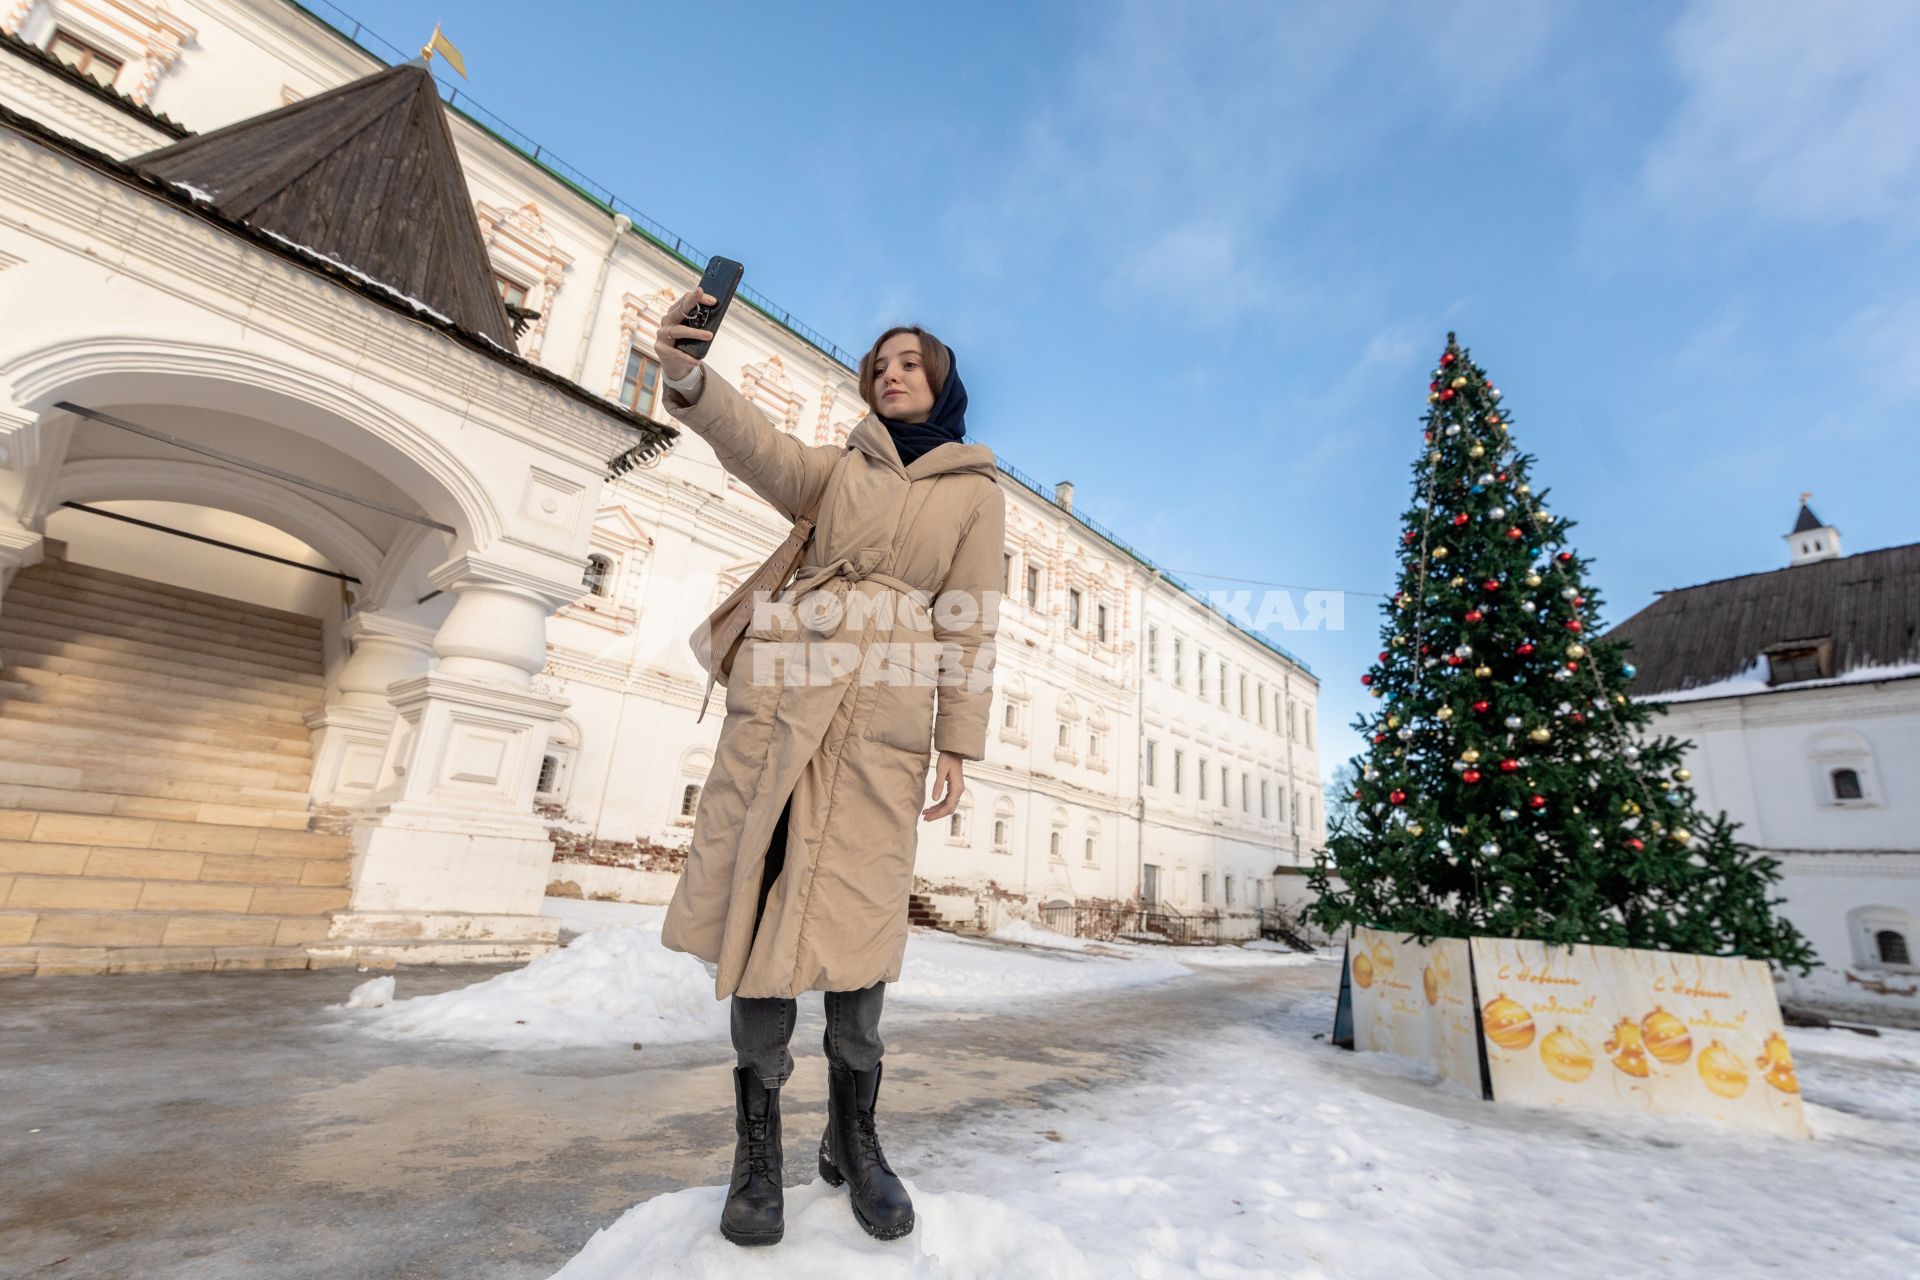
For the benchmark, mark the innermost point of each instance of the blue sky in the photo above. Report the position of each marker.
(1198, 258)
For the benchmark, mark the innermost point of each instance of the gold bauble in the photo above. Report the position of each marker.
(1378, 693)
(1434, 456)
(1441, 968)
(1470, 755)
(1631, 808)
(1576, 650)
(1627, 1049)
(1777, 1061)
(1432, 396)
(1567, 1056)
(1542, 517)
(1682, 837)
(1681, 775)
(1721, 1072)
(1459, 383)
(1444, 713)
(1667, 1037)
(1507, 1023)
(1362, 971)
(1620, 698)
(1393, 722)
(1477, 451)
(1398, 641)
(1439, 553)
(1482, 672)
(1414, 829)
(1382, 957)
(1540, 734)
(1533, 579)
(1457, 582)
(1522, 489)
(1430, 985)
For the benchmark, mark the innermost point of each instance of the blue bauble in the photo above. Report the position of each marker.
(1629, 671)
(1478, 488)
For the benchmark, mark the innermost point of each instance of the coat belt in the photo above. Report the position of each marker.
(809, 578)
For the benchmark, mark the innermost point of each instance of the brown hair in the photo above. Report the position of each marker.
(934, 356)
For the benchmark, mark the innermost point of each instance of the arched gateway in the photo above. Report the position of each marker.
(283, 515)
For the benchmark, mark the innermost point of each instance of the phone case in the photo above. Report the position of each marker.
(721, 278)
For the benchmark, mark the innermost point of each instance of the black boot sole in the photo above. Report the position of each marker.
(835, 1179)
(753, 1237)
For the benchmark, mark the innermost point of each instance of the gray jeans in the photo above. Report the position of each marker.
(763, 1025)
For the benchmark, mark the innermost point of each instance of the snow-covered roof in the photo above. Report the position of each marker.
(1711, 640)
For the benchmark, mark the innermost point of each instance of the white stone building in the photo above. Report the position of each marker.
(414, 636)
(1800, 690)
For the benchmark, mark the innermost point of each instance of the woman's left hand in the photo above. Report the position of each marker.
(949, 784)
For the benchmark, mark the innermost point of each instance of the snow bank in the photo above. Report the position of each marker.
(949, 972)
(1254, 951)
(956, 1233)
(375, 993)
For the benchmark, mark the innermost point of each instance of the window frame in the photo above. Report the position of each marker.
(92, 52)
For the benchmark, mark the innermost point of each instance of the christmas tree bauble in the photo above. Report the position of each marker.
(1540, 734)
(1721, 1072)
(1627, 1049)
(1667, 1037)
(1430, 985)
(1566, 1056)
(1507, 1023)
(1776, 1060)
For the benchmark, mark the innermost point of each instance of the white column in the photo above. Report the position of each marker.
(451, 851)
(20, 452)
(350, 733)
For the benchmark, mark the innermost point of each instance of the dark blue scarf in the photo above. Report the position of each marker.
(948, 421)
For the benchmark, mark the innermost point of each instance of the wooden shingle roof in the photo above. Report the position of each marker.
(1867, 604)
(365, 173)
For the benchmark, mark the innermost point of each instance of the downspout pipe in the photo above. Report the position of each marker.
(621, 225)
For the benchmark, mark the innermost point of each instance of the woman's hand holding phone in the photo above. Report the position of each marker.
(674, 362)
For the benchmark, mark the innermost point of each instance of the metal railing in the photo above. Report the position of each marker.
(1140, 921)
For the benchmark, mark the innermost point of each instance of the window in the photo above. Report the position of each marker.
(1153, 650)
(1203, 777)
(1100, 623)
(1053, 845)
(1292, 731)
(640, 385)
(1226, 888)
(689, 799)
(1006, 573)
(1206, 886)
(1149, 882)
(1263, 797)
(1089, 857)
(1223, 682)
(1307, 718)
(1280, 798)
(1179, 665)
(1012, 718)
(1260, 702)
(1846, 784)
(1246, 789)
(1073, 608)
(1065, 729)
(512, 292)
(1225, 795)
(1801, 660)
(549, 774)
(1152, 751)
(957, 825)
(1179, 765)
(1890, 945)
(599, 575)
(1094, 745)
(1243, 693)
(1033, 587)
(999, 835)
(1200, 687)
(96, 64)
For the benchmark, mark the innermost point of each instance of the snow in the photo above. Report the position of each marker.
(1263, 1152)
(1754, 680)
(615, 984)
(376, 993)
(359, 275)
(201, 197)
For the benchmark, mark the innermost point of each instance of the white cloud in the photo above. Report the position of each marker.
(1795, 111)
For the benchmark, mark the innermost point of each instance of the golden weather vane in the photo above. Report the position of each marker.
(439, 44)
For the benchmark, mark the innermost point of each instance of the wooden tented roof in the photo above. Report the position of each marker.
(365, 173)
(1867, 604)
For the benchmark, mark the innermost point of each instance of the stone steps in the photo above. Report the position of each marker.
(154, 769)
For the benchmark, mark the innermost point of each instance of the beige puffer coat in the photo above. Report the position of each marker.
(817, 707)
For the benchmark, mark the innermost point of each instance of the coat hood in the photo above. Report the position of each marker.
(872, 438)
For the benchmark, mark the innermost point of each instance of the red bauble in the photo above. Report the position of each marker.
(1461, 519)
(1426, 649)
(1572, 665)
(1573, 624)
(1526, 649)
(1491, 584)
(1379, 738)
(1565, 557)
(1635, 843)
(1474, 615)
(1367, 679)
(1454, 659)
(1494, 421)
(1515, 534)
(1410, 536)
(1428, 435)
(1397, 797)
(1447, 358)
(1501, 476)
(1509, 766)
(1383, 655)
(1434, 385)
(1536, 802)
(1480, 708)
(1446, 395)
(1471, 775)
(1578, 717)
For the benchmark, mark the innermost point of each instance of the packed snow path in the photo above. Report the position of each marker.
(194, 1125)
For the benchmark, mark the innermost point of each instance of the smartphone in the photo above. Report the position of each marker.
(721, 279)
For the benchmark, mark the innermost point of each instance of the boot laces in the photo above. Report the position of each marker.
(864, 1131)
(757, 1145)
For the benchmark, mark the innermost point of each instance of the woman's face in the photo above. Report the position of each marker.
(900, 389)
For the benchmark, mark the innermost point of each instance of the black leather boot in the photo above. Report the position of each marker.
(850, 1153)
(756, 1207)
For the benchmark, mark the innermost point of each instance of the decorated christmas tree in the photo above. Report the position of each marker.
(1510, 789)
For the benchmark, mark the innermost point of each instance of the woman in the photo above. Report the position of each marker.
(803, 842)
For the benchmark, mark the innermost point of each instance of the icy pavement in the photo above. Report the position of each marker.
(1263, 1152)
